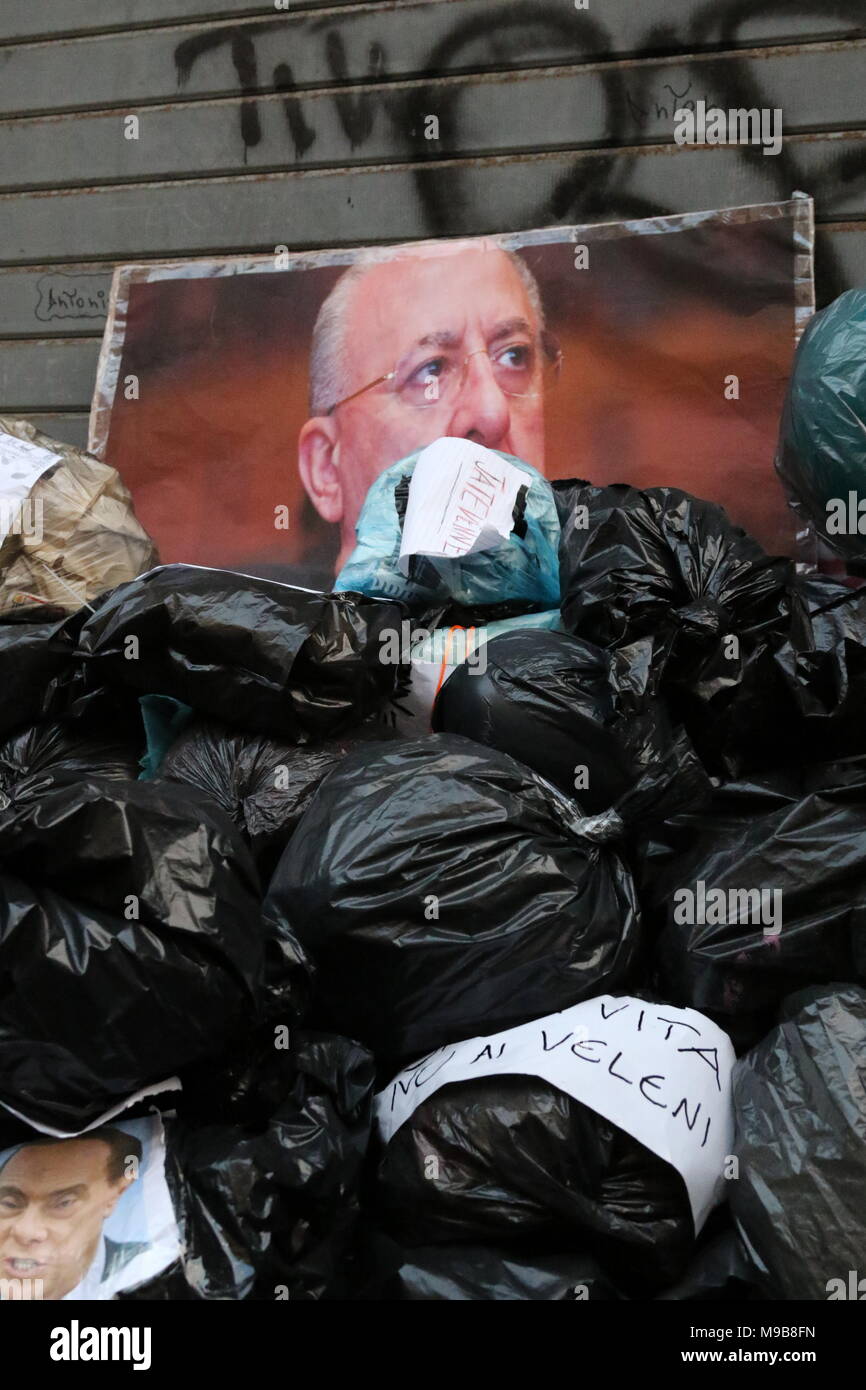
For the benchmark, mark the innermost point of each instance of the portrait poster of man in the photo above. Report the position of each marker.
(83, 1218)
(249, 403)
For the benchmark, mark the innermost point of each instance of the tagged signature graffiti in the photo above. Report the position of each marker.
(63, 296)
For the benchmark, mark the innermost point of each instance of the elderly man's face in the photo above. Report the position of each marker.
(410, 312)
(53, 1201)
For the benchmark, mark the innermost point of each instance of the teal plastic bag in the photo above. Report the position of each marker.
(822, 445)
(524, 568)
(163, 718)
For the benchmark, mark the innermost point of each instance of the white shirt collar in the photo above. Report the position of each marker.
(88, 1288)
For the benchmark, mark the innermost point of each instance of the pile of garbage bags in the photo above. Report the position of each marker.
(489, 928)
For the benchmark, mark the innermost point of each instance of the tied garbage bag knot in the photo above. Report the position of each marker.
(703, 620)
(608, 825)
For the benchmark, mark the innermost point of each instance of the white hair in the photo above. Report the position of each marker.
(329, 368)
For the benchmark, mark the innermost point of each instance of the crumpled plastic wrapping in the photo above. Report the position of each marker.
(821, 456)
(719, 1271)
(88, 539)
(44, 755)
(131, 944)
(36, 664)
(263, 784)
(800, 1196)
(799, 686)
(665, 566)
(547, 699)
(472, 1273)
(42, 677)
(521, 1164)
(444, 890)
(266, 657)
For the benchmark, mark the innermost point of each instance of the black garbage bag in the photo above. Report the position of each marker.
(818, 681)
(759, 893)
(670, 568)
(518, 1163)
(442, 889)
(800, 1197)
(474, 1273)
(131, 944)
(798, 690)
(36, 662)
(821, 457)
(267, 657)
(661, 563)
(269, 1210)
(36, 758)
(720, 1270)
(42, 678)
(263, 784)
(754, 660)
(579, 715)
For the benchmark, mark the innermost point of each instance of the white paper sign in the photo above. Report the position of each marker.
(461, 500)
(661, 1074)
(21, 463)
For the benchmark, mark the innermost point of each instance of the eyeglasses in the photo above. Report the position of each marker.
(520, 368)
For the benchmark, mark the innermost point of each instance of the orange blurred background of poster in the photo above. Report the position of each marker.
(652, 330)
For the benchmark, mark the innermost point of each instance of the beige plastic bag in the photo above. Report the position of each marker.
(75, 533)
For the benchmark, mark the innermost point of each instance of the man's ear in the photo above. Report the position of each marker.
(318, 464)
